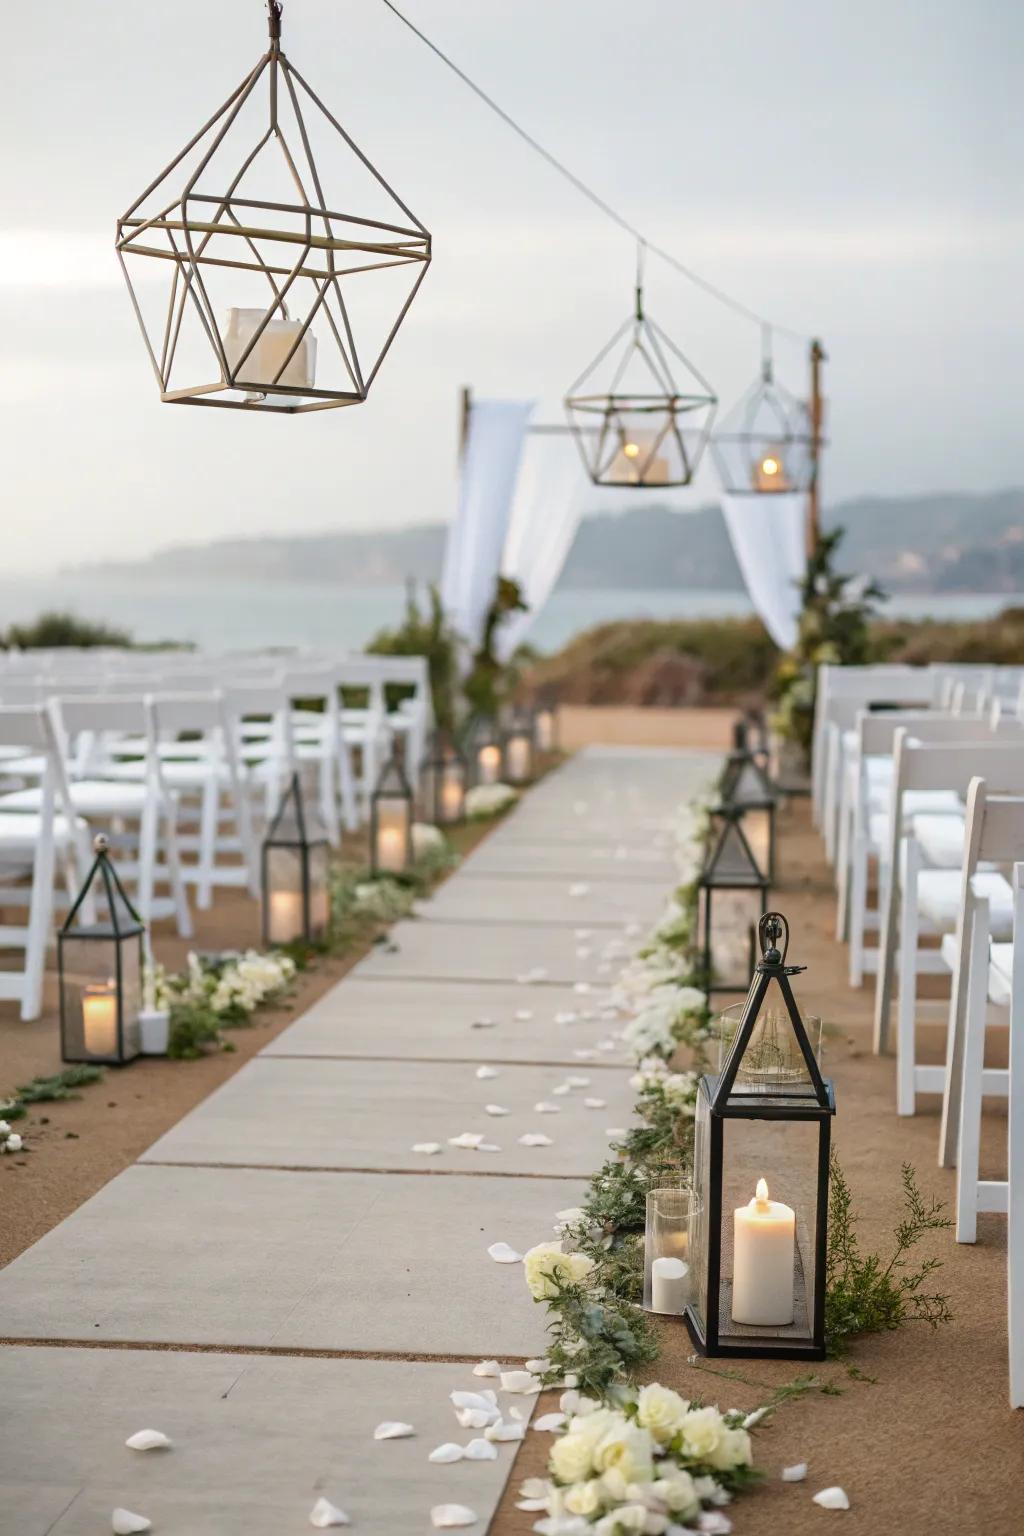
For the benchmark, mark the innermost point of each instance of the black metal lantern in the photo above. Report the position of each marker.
(765, 445)
(761, 1161)
(100, 963)
(517, 745)
(296, 884)
(733, 896)
(391, 821)
(485, 752)
(443, 781)
(746, 787)
(644, 428)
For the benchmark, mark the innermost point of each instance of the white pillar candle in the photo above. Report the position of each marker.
(451, 799)
(518, 753)
(390, 849)
(764, 1246)
(545, 728)
(670, 1285)
(99, 1021)
(285, 917)
(489, 763)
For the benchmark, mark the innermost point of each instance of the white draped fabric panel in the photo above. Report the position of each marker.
(476, 538)
(768, 539)
(546, 512)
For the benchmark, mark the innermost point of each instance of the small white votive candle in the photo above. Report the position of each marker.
(764, 1247)
(670, 1285)
(286, 917)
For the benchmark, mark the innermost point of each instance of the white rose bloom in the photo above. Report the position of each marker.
(572, 1458)
(627, 1518)
(661, 1411)
(5, 1126)
(703, 1429)
(679, 1493)
(733, 1450)
(546, 1263)
(426, 839)
(628, 1449)
(14, 1142)
(584, 1498)
(710, 1491)
(690, 999)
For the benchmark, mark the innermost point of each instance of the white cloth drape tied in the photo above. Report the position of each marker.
(768, 540)
(476, 538)
(546, 512)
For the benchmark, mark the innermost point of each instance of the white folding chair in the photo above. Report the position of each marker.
(260, 721)
(1015, 1151)
(926, 854)
(320, 740)
(31, 844)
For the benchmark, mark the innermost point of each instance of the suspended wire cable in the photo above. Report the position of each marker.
(588, 192)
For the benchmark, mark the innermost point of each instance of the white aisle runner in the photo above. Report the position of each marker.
(288, 1218)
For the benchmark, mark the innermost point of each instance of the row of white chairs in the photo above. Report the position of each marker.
(932, 801)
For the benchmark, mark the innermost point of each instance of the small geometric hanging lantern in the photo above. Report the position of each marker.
(391, 821)
(443, 781)
(485, 752)
(274, 300)
(765, 445)
(517, 749)
(745, 787)
(644, 429)
(733, 895)
(761, 1160)
(100, 963)
(296, 873)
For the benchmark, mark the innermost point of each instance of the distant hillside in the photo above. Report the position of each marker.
(924, 543)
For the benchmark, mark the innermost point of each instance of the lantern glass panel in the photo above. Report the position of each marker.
(443, 783)
(518, 756)
(545, 729)
(772, 1059)
(101, 995)
(296, 875)
(668, 1264)
(392, 832)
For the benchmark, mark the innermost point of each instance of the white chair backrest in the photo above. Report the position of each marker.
(22, 692)
(995, 827)
(175, 714)
(33, 728)
(953, 765)
(877, 729)
(88, 724)
(248, 701)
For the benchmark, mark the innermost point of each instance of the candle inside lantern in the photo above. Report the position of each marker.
(770, 471)
(764, 1247)
(489, 764)
(276, 341)
(286, 916)
(545, 728)
(518, 757)
(451, 798)
(99, 1019)
(670, 1285)
(390, 849)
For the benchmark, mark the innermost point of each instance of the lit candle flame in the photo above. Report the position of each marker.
(631, 450)
(761, 1193)
(770, 466)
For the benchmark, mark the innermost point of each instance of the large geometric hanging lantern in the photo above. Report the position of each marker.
(645, 428)
(251, 288)
(765, 445)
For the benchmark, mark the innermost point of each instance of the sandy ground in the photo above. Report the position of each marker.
(929, 1447)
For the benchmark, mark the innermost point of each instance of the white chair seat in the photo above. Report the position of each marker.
(20, 831)
(941, 839)
(90, 797)
(192, 774)
(918, 802)
(1000, 974)
(938, 897)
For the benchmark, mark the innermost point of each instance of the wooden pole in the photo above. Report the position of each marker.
(465, 409)
(817, 412)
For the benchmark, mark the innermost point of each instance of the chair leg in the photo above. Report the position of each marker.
(906, 1003)
(347, 786)
(328, 803)
(858, 909)
(178, 892)
(209, 810)
(148, 824)
(1015, 1172)
(40, 914)
(969, 1140)
(887, 931)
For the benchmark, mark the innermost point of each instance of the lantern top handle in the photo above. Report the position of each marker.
(274, 9)
(772, 928)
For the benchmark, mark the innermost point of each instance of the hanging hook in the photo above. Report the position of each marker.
(641, 253)
(766, 353)
(274, 9)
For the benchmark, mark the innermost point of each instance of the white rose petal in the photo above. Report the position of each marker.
(514, 1412)
(755, 1417)
(13, 1143)
(124, 1523)
(519, 1381)
(795, 1473)
(446, 1516)
(532, 1506)
(576, 1080)
(615, 1132)
(148, 1440)
(503, 1430)
(483, 1073)
(595, 1103)
(469, 1140)
(832, 1498)
(487, 1367)
(585, 1055)
(501, 1253)
(475, 1418)
(483, 1023)
(428, 1148)
(713, 1523)
(535, 1139)
(580, 888)
(567, 1016)
(550, 1423)
(324, 1515)
(449, 1451)
(488, 1146)
(524, 1015)
(581, 988)
(485, 1398)
(393, 1429)
(544, 1108)
(481, 1450)
(561, 1090)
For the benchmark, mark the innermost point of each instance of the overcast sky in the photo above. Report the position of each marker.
(854, 171)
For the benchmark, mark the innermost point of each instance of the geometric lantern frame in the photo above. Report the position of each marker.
(643, 430)
(765, 445)
(730, 882)
(295, 874)
(291, 255)
(745, 787)
(99, 1008)
(444, 775)
(391, 816)
(739, 1110)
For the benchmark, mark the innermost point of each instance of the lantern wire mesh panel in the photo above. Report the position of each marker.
(644, 429)
(252, 291)
(762, 1138)
(765, 445)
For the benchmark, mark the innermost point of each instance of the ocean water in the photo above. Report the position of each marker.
(247, 614)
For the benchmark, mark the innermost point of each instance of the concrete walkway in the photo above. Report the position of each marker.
(282, 1271)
